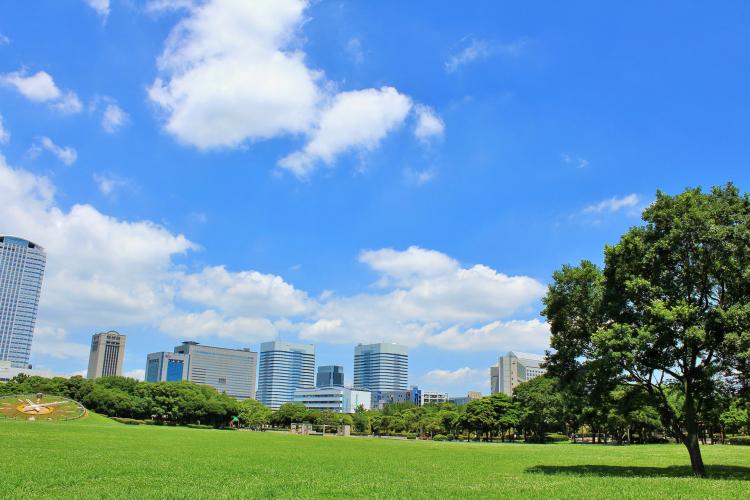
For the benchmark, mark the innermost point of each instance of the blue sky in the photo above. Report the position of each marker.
(336, 172)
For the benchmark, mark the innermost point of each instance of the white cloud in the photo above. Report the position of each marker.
(571, 160)
(429, 124)
(65, 154)
(211, 324)
(113, 118)
(419, 177)
(138, 374)
(354, 49)
(53, 343)
(424, 293)
(4, 134)
(68, 104)
(40, 87)
(458, 375)
(229, 74)
(244, 293)
(168, 5)
(100, 6)
(531, 335)
(354, 120)
(233, 72)
(614, 204)
(108, 184)
(474, 49)
(4, 40)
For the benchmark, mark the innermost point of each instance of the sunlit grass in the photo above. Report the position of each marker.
(97, 458)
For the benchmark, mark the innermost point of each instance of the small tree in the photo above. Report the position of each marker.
(254, 414)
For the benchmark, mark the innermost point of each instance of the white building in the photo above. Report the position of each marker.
(514, 368)
(107, 354)
(433, 397)
(334, 399)
(8, 371)
(231, 371)
(284, 367)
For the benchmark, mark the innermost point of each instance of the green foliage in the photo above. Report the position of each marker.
(127, 398)
(669, 313)
(254, 414)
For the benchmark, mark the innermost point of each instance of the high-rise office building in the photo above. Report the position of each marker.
(381, 367)
(107, 354)
(21, 271)
(513, 369)
(284, 367)
(227, 370)
(166, 367)
(330, 376)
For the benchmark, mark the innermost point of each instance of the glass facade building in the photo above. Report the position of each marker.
(333, 399)
(381, 367)
(330, 376)
(284, 367)
(165, 367)
(21, 272)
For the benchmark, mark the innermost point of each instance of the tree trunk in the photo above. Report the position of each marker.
(691, 440)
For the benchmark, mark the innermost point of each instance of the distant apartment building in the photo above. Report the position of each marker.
(381, 368)
(231, 371)
(333, 399)
(166, 367)
(330, 376)
(21, 272)
(464, 400)
(107, 354)
(284, 368)
(382, 398)
(432, 398)
(513, 369)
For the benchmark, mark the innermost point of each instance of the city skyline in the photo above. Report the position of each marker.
(410, 174)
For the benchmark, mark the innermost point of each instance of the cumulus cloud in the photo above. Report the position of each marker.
(572, 160)
(4, 40)
(614, 204)
(265, 89)
(138, 374)
(4, 134)
(113, 117)
(108, 183)
(229, 73)
(417, 177)
(100, 6)
(429, 124)
(454, 380)
(244, 293)
(424, 293)
(104, 270)
(65, 154)
(54, 343)
(474, 49)
(354, 120)
(41, 87)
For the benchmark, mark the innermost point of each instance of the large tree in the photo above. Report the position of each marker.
(669, 312)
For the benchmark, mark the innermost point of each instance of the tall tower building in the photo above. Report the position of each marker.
(231, 371)
(513, 369)
(21, 271)
(381, 367)
(284, 367)
(107, 354)
(330, 376)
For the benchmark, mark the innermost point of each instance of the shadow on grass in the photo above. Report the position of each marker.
(713, 471)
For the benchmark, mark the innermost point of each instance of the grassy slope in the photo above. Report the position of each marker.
(94, 458)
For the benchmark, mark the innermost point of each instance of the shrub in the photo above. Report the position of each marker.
(740, 441)
(440, 437)
(128, 421)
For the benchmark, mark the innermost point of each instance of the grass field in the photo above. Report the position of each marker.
(95, 457)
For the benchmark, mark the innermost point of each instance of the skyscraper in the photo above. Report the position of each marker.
(284, 367)
(330, 376)
(227, 370)
(21, 271)
(381, 367)
(107, 354)
(514, 368)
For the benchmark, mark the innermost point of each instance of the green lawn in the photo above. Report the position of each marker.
(95, 457)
